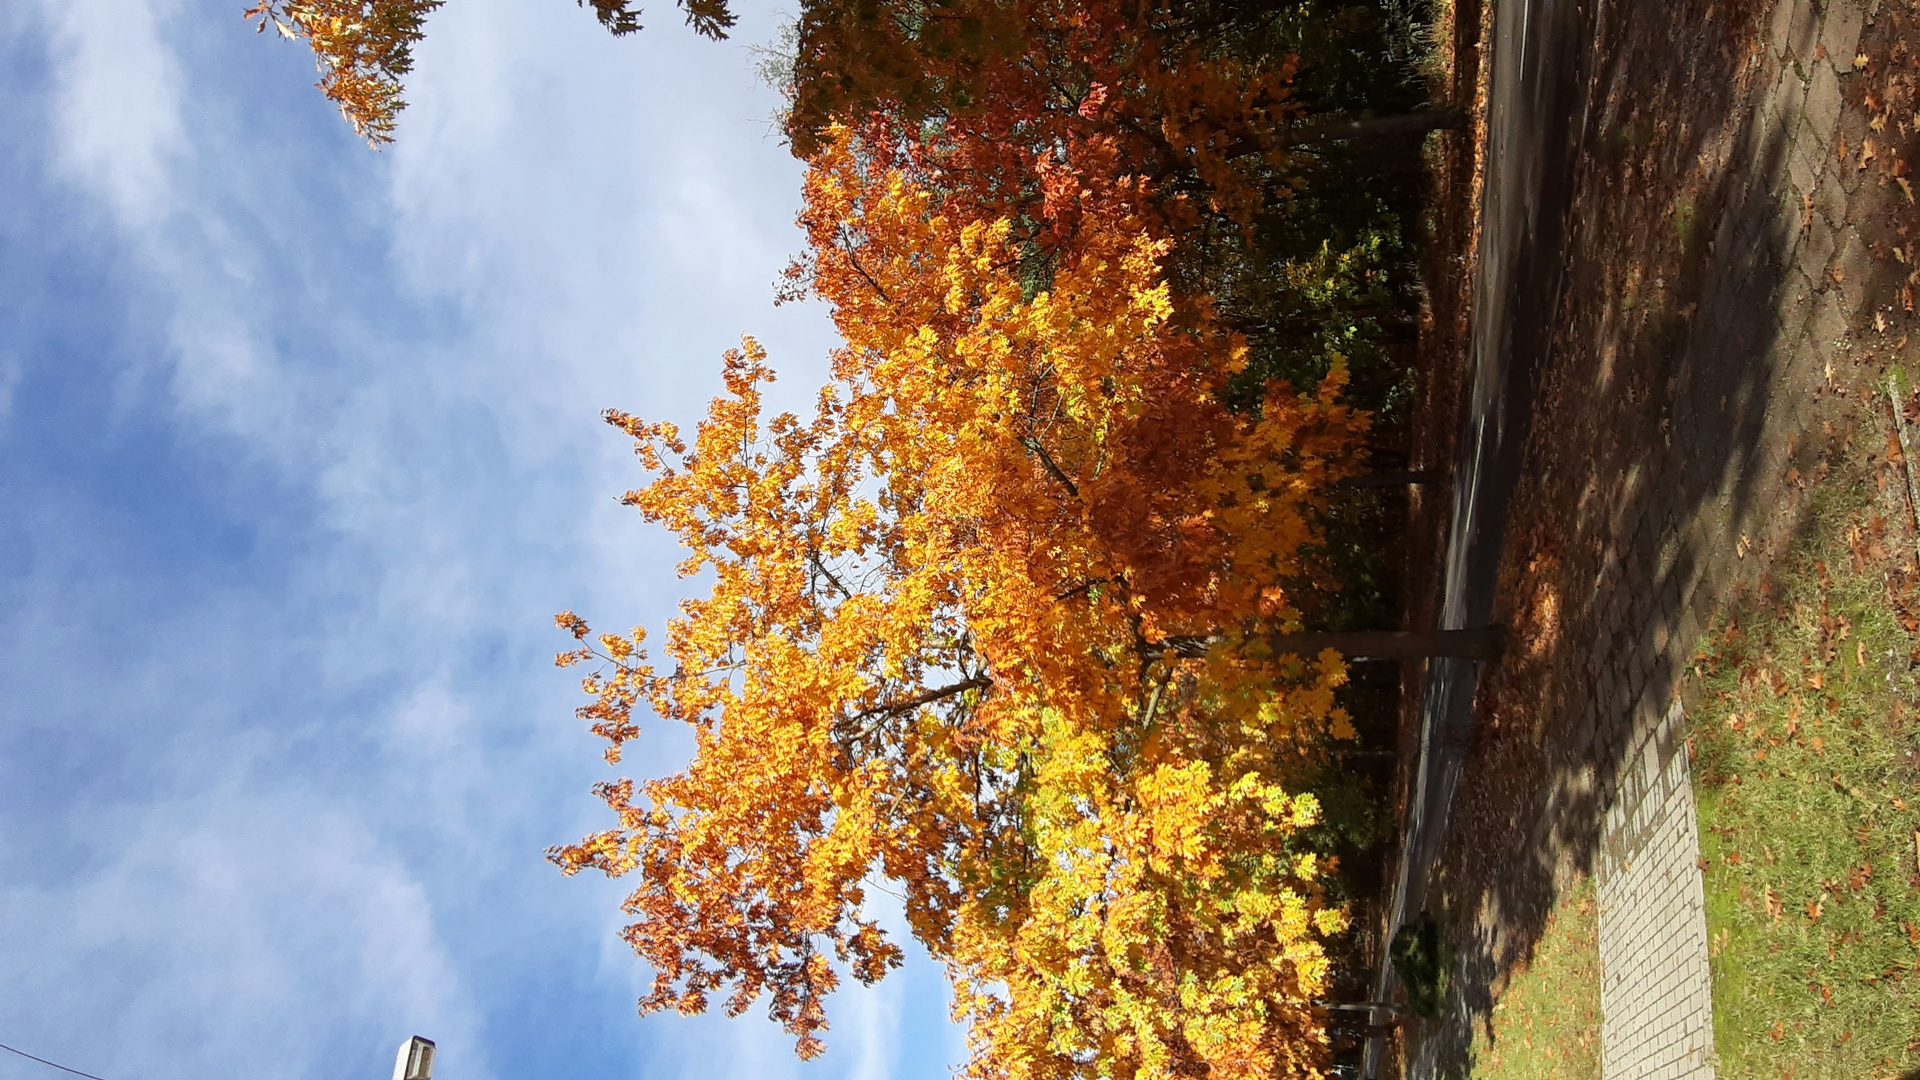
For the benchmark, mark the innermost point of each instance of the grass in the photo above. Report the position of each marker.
(1805, 749)
(1546, 1023)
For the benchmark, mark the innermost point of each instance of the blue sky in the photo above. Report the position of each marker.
(299, 453)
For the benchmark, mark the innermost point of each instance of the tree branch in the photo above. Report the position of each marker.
(821, 568)
(854, 258)
(1052, 468)
(928, 697)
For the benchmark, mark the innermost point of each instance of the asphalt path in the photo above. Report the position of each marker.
(1535, 117)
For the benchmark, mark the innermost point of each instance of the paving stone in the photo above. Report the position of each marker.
(1688, 636)
(1828, 326)
(1823, 102)
(1785, 101)
(1655, 996)
(1803, 24)
(1815, 251)
(1840, 33)
(1853, 178)
(1807, 162)
(1852, 268)
(1670, 601)
(1794, 308)
(1830, 198)
(1781, 26)
(1803, 179)
(1773, 238)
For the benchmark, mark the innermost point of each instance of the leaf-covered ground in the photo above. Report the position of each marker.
(1669, 463)
(1546, 1025)
(1805, 743)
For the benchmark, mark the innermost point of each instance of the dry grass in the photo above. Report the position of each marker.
(1546, 1023)
(1806, 743)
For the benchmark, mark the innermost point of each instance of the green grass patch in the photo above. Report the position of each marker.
(1546, 1023)
(1805, 744)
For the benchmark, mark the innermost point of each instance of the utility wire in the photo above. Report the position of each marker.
(44, 1061)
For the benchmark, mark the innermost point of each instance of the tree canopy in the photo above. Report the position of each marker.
(1003, 627)
(939, 649)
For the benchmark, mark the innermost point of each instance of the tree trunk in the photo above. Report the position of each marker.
(1379, 127)
(1393, 478)
(1362, 1006)
(1450, 118)
(1478, 643)
(1475, 643)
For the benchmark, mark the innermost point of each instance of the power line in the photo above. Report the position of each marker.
(44, 1061)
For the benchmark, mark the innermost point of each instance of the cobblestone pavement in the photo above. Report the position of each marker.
(1727, 300)
(1655, 992)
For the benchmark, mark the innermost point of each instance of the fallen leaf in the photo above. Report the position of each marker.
(1775, 909)
(1779, 1030)
(1905, 187)
(1815, 909)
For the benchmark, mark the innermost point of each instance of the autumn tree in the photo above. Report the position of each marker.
(365, 47)
(1277, 146)
(1243, 124)
(942, 648)
(1015, 622)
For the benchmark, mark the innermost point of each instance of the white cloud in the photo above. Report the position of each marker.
(10, 371)
(117, 101)
(318, 819)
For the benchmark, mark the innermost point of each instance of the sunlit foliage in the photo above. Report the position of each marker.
(365, 47)
(991, 629)
(986, 628)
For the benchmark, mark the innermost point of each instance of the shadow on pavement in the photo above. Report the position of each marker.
(1648, 419)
